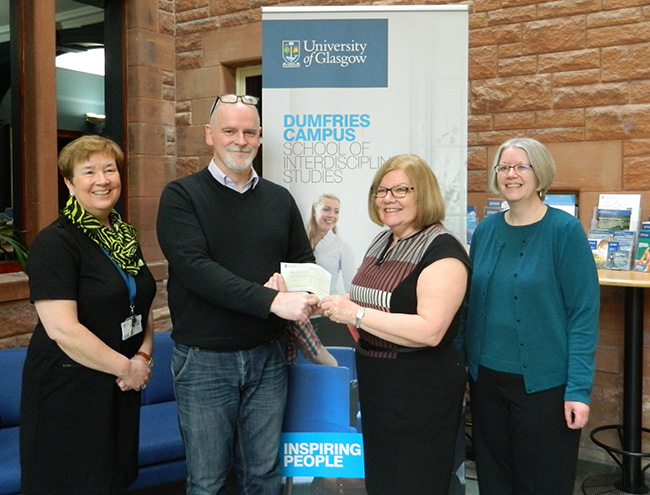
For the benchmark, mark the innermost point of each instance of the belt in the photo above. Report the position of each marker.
(367, 346)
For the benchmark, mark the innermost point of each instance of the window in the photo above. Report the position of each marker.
(31, 132)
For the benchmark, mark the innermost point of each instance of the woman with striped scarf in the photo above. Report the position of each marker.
(90, 354)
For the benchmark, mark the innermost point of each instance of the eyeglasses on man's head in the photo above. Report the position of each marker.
(395, 191)
(519, 169)
(232, 98)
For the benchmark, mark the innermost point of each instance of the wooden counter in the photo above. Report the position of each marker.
(617, 278)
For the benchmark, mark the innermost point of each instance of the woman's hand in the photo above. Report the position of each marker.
(137, 375)
(576, 414)
(339, 309)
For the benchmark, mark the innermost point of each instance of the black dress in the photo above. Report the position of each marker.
(78, 430)
(411, 399)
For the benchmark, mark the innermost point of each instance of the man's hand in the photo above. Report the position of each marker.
(294, 306)
(276, 282)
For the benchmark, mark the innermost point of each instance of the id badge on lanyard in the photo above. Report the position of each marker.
(133, 323)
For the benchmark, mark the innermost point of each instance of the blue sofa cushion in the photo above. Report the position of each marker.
(9, 461)
(11, 377)
(161, 386)
(160, 435)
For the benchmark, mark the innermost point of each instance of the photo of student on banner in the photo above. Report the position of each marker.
(337, 257)
(406, 300)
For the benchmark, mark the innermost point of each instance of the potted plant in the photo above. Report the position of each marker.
(13, 252)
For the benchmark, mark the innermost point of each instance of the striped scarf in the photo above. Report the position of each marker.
(120, 242)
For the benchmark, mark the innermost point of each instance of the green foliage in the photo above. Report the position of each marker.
(11, 246)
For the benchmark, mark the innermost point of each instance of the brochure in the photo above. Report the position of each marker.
(607, 219)
(623, 202)
(642, 258)
(613, 249)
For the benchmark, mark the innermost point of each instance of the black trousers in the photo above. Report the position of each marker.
(521, 441)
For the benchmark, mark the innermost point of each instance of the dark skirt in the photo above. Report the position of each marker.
(78, 430)
(411, 409)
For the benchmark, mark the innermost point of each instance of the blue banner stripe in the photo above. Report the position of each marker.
(322, 454)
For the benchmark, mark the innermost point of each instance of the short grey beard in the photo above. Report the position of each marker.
(237, 168)
(230, 163)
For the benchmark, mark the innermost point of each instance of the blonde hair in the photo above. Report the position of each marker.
(428, 197)
(311, 224)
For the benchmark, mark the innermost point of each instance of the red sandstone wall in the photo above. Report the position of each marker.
(573, 74)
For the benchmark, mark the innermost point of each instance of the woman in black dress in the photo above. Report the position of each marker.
(405, 300)
(90, 353)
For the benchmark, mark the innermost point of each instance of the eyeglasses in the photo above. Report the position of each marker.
(397, 192)
(231, 98)
(519, 169)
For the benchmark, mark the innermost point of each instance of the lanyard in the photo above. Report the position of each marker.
(129, 280)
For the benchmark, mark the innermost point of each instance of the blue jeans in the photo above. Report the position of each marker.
(230, 409)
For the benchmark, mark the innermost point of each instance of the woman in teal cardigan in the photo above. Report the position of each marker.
(531, 332)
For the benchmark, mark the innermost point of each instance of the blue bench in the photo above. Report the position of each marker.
(11, 369)
(162, 453)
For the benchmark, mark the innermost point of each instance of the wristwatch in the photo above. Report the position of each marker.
(146, 357)
(359, 317)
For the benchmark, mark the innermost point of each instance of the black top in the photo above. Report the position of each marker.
(222, 246)
(387, 279)
(79, 431)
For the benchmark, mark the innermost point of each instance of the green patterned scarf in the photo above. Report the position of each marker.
(121, 242)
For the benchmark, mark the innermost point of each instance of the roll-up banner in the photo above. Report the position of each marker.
(345, 88)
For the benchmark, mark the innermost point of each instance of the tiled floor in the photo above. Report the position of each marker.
(585, 470)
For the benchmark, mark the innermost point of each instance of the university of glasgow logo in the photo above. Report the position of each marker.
(291, 53)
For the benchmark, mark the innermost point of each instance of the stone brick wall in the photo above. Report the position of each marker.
(573, 74)
(151, 111)
(562, 72)
(17, 316)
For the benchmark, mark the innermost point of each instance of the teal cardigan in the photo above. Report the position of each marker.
(556, 304)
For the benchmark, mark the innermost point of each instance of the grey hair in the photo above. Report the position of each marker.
(538, 156)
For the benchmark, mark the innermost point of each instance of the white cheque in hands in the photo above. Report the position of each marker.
(308, 277)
